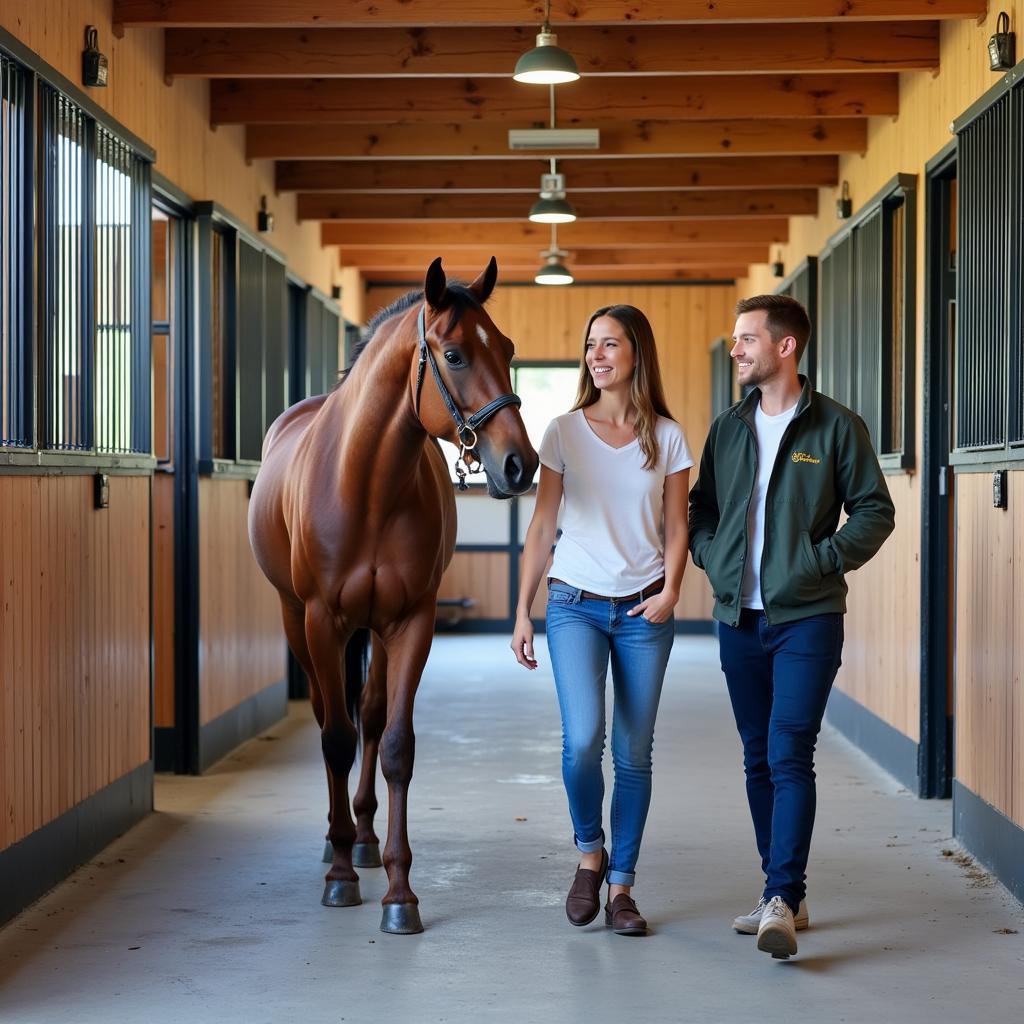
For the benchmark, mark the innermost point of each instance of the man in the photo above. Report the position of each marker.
(776, 470)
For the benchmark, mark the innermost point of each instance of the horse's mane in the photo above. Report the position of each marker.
(461, 298)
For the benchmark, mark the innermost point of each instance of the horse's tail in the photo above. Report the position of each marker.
(357, 663)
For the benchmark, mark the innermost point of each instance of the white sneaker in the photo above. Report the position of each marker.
(777, 932)
(747, 924)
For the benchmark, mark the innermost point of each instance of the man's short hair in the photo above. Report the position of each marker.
(785, 317)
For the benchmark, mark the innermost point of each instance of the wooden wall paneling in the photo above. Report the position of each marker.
(74, 708)
(242, 645)
(984, 648)
(163, 600)
(1015, 766)
(882, 650)
(7, 600)
(483, 576)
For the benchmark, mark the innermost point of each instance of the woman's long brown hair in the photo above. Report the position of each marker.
(646, 391)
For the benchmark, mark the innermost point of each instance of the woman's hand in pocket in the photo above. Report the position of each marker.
(657, 608)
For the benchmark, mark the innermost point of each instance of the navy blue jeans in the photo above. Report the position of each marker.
(583, 634)
(779, 679)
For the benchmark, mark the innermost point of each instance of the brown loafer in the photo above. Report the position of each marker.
(622, 916)
(583, 903)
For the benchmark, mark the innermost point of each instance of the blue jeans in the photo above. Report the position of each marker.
(779, 679)
(582, 633)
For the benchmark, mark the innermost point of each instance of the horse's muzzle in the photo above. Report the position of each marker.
(514, 476)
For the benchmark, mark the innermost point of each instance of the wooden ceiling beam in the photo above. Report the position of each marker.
(384, 13)
(422, 235)
(581, 175)
(624, 275)
(501, 101)
(665, 257)
(493, 52)
(607, 206)
(618, 138)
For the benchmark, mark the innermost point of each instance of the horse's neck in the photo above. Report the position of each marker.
(381, 435)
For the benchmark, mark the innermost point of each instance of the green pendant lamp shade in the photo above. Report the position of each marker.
(547, 63)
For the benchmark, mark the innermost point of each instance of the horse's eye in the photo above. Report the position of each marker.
(453, 358)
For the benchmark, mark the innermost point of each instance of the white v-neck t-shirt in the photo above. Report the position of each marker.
(613, 532)
(769, 436)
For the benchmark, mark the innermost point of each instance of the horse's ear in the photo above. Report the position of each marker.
(484, 284)
(435, 286)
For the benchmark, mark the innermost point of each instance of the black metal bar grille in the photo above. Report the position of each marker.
(275, 368)
(985, 230)
(250, 351)
(331, 332)
(15, 264)
(867, 307)
(122, 344)
(1017, 271)
(826, 359)
(66, 158)
(721, 377)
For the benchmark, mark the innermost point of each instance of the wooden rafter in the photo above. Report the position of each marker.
(618, 138)
(582, 175)
(607, 206)
(501, 101)
(582, 234)
(357, 13)
(492, 53)
(515, 275)
(660, 258)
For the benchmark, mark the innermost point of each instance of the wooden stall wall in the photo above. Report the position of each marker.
(173, 118)
(242, 646)
(989, 653)
(74, 644)
(881, 661)
(547, 323)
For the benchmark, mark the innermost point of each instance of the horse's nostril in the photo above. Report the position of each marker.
(513, 468)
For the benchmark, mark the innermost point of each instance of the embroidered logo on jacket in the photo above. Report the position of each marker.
(804, 457)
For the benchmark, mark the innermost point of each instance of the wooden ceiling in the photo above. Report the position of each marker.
(389, 119)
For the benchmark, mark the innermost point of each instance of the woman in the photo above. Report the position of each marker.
(621, 464)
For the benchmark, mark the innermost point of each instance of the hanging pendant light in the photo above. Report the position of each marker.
(547, 63)
(553, 270)
(552, 207)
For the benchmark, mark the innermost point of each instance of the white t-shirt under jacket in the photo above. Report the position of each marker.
(769, 436)
(613, 536)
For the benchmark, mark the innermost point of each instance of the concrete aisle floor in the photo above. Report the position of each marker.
(209, 910)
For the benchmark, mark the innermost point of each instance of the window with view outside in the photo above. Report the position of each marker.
(546, 391)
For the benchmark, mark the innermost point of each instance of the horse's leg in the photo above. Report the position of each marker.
(338, 741)
(293, 612)
(372, 712)
(407, 647)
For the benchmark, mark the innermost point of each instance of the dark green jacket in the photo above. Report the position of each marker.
(825, 463)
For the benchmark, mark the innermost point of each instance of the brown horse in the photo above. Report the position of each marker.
(352, 519)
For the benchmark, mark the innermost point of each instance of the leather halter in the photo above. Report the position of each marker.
(467, 426)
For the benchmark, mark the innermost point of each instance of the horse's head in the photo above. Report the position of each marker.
(472, 358)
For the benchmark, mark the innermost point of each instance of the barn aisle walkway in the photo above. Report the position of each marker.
(209, 910)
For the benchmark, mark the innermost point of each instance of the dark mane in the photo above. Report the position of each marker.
(462, 298)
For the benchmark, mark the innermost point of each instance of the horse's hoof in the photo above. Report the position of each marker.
(366, 855)
(328, 853)
(401, 919)
(341, 894)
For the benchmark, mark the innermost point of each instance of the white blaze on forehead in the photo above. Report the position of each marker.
(482, 335)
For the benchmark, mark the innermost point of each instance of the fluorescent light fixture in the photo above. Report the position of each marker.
(554, 138)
